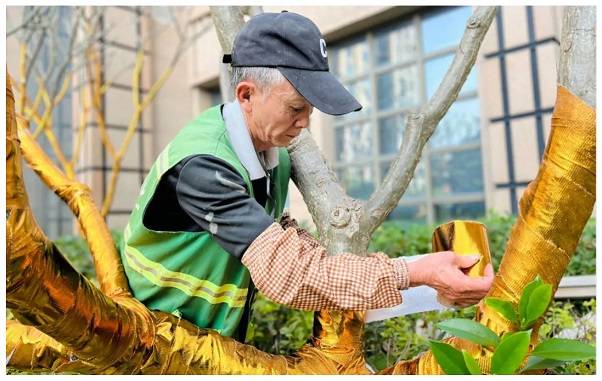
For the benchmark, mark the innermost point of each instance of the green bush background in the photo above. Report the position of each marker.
(280, 330)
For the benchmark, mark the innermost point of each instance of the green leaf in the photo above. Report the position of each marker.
(538, 303)
(524, 299)
(449, 358)
(534, 363)
(564, 350)
(510, 353)
(470, 330)
(504, 308)
(471, 364)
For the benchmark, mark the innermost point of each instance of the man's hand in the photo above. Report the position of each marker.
(444, 272)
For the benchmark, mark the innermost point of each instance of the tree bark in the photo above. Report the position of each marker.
(228, 21)
(577, 68)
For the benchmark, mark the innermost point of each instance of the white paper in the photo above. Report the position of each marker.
(415, 299)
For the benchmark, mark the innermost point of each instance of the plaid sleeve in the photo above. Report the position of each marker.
(291, 271)
(287, 222)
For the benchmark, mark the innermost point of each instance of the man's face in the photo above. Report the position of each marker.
(275, 116)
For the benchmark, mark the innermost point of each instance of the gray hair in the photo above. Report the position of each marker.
(264, 77)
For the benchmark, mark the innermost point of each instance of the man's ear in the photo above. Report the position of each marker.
(244, 93)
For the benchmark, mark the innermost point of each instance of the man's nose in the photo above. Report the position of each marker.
(302, 123)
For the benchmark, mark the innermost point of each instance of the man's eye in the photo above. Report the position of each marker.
(296, 109)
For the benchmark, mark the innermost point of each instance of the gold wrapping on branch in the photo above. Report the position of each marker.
(109, 269)
(553, 212)
(86, 331)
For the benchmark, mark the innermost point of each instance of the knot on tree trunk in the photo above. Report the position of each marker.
(473, 22)
(340, 217)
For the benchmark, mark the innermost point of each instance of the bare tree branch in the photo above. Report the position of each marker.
(326, 200)
(25, 24)
(175, 23)
(253, 10)
(228, 21)
(420, 126)
(577, 67)
(36, 51)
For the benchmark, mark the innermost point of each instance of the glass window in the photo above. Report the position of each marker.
(434, 71)
(444, 28)
(457, 172)
(352, 60)
(215, 96)
(398, 88)
(465, 210)
(358, 181)
(396, 44)
(53, 215)
(390, 131)
(415, 213)
(354, 142)
(461, 125)
(361, 91)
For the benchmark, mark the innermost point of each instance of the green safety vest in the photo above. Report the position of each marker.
(188, 273)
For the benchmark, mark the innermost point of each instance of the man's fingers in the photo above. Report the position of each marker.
(482, 284)
(488, 271)
(465, 261)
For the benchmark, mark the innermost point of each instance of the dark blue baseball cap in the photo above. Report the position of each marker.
(293, 44)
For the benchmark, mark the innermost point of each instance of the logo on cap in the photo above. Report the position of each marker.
(323, 48)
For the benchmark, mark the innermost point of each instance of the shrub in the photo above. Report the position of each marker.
(510, 352)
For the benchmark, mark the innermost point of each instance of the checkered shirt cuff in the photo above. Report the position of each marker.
(288, 270)
(402, 274)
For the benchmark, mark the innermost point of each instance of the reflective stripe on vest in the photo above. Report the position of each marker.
(190, 285)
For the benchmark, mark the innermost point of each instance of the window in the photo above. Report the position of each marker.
(215, 96)
(53, 215)
(395, 70)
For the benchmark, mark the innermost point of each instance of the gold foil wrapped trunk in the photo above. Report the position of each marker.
(553, 212)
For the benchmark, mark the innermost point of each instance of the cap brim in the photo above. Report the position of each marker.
(322, 90)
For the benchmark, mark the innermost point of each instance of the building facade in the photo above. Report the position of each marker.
(481, 157)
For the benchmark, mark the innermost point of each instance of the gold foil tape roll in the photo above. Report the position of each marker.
(464, 238)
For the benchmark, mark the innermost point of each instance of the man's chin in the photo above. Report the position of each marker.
(286, 141)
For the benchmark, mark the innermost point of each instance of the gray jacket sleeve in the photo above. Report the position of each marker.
(215, 196)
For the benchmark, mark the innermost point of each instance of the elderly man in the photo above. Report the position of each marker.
(203, 235)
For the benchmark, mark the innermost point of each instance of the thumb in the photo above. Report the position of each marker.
(465, 261)
(489, 271)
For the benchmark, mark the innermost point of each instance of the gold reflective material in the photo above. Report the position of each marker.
(66, 324)
(71, 326)
(464, 238)
(78, 197)
(553, 213)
